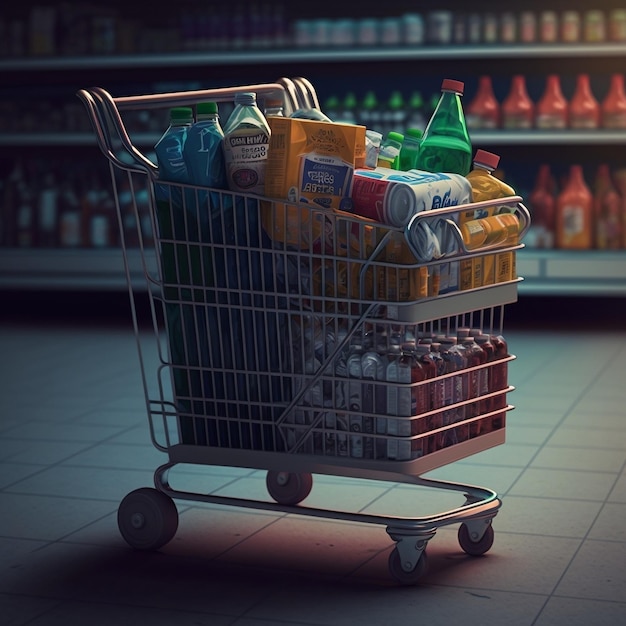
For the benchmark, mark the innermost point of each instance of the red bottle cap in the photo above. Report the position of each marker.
(488, 159)
(450, 84)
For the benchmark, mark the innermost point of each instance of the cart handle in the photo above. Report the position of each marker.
(104, 114)
(521, 212)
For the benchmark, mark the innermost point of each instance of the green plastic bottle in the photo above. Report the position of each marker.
(410, 149)
(446, 146)
(389, 154)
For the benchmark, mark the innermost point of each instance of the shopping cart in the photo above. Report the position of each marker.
(286, 342)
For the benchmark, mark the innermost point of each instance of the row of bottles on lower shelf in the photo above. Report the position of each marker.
(582, 211)
(68, 205)
(71, 205)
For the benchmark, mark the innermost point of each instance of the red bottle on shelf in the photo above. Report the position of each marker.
(574, 213)
(518, 110)
(484, 110)
(607, 209)
(552, 107)
(614, 104)
(542, 201)
(584, 108)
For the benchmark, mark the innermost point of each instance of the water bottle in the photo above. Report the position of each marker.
(169, 151)
(446, 146)
(246, 141)
(202, 151)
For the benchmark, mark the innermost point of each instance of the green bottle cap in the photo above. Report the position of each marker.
(394, 136)
(206, 108)
(415, 133)
(181, 114)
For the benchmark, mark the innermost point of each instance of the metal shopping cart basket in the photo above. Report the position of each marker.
(288, 340)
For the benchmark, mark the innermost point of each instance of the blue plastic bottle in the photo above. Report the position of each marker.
(169, 151)
(202, 151)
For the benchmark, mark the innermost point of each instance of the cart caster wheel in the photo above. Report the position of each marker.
(402, 576)
(147, 519)
(475, 548)
(287, 488)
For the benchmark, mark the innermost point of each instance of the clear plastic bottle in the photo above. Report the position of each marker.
(446, 145)
(203, 150)
(410, 149)
(246, 141)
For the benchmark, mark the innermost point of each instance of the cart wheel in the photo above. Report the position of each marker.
(400, 575)
(147, 519)
(287, 488)
(475, 548)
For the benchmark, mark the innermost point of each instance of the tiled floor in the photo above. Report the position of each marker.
(74, 441)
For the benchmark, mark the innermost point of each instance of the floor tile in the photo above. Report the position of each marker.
(606, 560)
(568, 484)
(577, 612)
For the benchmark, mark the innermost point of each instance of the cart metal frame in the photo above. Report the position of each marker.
(148, 517)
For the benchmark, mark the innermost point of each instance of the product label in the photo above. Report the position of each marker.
(245, 154)
(573, 221)
(322, 177)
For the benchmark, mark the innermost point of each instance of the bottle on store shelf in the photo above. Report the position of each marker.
(594, 27)
(70, 219)
(617, 25)
(47, 213)
(348, 109)
(394, 114)
(169, 148)
(389, 154)
(527, 27)
(584, 108)
(613, 107)
(619, 178)
(552, 108)
(246, 126)
(508, 27)
(446, 145)
(518, 110)
(542, 205)
(607, 209)
(203, 150)
(574, 212)
(571, 27)
(484, 110)
(410, 149)
(548, 27)
(415, 117)
(370, 115)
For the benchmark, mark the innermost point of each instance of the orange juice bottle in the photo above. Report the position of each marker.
(574, 213)
(490, 268)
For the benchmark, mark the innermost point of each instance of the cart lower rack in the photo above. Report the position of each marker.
(286, 341)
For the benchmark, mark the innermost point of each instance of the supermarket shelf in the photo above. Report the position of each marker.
(572, 273)
(71, 269)
(325, 55)
(545, 272)
(479, 137)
